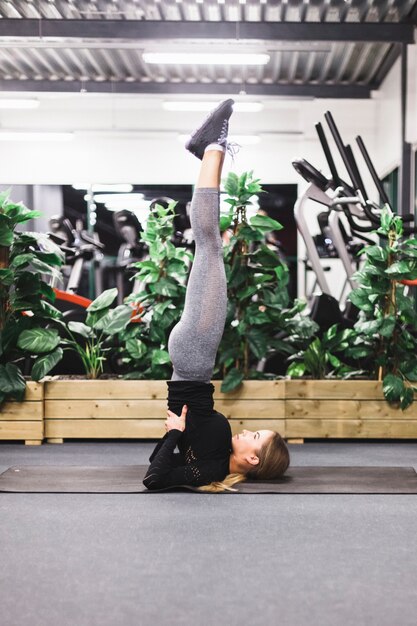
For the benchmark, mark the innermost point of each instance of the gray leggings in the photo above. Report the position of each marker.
(193, 342)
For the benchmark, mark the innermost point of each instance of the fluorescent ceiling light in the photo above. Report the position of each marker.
(240, 107)
(217, 58)
(125, 188)
(121, 200)
(19, 103)
(33, 136)
(242, 140)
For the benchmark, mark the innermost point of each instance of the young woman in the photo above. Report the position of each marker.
(209, 457)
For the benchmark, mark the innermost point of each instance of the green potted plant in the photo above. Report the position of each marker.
(323, 357)
(261, 321)
(386, 333)
(92, 340)
(26, 300)
(163, 276)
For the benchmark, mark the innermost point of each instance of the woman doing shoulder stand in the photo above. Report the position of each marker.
(209, 457)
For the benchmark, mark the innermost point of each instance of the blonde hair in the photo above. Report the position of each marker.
(274, 459)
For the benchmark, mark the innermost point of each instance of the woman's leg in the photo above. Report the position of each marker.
(194, 340)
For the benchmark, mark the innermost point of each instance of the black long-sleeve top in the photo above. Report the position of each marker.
(204, 446)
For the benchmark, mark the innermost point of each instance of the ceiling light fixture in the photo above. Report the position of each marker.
(192, 58)
(240, 107)
(120, 200)
(123, 188)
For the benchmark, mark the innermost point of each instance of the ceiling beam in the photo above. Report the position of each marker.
(386, 65)
(163, 29)
(304, 91)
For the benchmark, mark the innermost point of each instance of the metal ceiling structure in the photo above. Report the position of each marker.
(321, 48)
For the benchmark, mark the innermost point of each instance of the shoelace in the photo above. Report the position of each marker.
(223, 133)
(232, 148)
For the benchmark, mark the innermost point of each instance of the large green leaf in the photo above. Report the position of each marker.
(103, 301)
(160, 357)
(264, 223)
(377, 254)
(38, 340)
(21, 260)
(6, 277)
(18, 212)
(4, 197)
(49, 310)
(81, 329)
(6, 233)
(360, 298)
(296, 370)
(231, 184)
(12, 382)
(136, 348)
(407, 398)
(166, 287)
(44, 364)
(398, 268)
(359, 352)
(393, 387)
(387, 327)
(258, 342)
(266, 257)
(232, 380)
(115, 320)
(225, 222)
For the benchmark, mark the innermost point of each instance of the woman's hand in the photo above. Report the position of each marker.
(176, 422)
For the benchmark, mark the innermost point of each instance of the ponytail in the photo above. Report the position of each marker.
(223, 485)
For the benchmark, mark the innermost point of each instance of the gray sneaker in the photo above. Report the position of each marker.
(214, 129)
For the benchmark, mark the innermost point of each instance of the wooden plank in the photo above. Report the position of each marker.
(34, 391)
(105, 409)
(22, 411)
(109, 409)
(21, 430)
(152, 389)
(136, 428)
(102, 429)
(251, 409)
(329, 389)
(353, 409)
(350, 429)
(265, 424)
(106, 389)
(253, 389)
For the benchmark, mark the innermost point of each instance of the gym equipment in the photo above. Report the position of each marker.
(128, 479)
(84, 248)
(129, 228)
(325, 309)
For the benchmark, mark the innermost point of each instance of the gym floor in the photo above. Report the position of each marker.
(189, 559)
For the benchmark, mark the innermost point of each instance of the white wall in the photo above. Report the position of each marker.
(388, 115)
(128, 138)
(132, 139)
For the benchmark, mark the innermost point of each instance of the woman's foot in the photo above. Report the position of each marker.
(213, 130)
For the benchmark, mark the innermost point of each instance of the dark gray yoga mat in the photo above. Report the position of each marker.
(128, 479)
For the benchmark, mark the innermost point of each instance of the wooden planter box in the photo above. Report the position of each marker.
(298, 409)
(344, 409)
(24, 420)
(137, 408)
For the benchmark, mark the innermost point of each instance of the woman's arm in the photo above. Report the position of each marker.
(163, 460)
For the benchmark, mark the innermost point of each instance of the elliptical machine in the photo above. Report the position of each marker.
(84, 248)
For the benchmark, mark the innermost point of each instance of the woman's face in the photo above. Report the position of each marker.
(250, 442)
